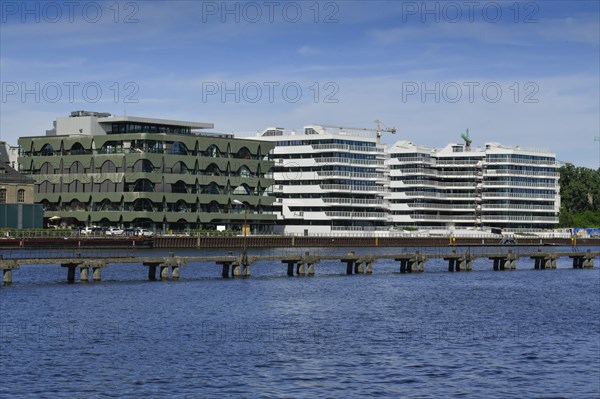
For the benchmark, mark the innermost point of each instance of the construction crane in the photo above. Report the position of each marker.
(379, 130)
(467, 139)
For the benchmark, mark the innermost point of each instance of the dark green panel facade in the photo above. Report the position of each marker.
(153, 180)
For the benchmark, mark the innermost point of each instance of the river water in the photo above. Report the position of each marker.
(513, 334)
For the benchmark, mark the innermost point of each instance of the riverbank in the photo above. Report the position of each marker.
(277, 242)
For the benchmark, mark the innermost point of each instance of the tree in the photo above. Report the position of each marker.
(580, 196)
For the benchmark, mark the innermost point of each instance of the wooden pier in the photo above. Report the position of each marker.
(300, 265)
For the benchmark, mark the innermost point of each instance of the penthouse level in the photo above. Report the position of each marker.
(95, 168)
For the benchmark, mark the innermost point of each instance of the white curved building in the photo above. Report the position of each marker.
(329, 181)
(494, 186)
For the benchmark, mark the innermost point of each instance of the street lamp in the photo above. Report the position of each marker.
(238, 202)
(244, 228)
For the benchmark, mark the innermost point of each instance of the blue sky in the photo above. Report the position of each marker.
(521, 73)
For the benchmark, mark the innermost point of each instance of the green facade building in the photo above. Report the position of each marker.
(98, 169)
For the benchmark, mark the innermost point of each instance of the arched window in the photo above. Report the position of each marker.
(77, 149)
(213, 152)
(47, 150)
(241, 190)
(143, 186)
(143, 165)
(178, 148)
(181, 206)
(180, 168)
(212, 170)
(47, 169)
(213, 207)
(243, 171)
(212, 188)
(76, 167)
(243, 153)
(142, 205)
(179, 187)
(108, 167)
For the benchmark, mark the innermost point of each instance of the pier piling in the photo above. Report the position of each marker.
(84, 274)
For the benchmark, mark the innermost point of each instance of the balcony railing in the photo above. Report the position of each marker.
(357, 161)
(521, 161)
(439, 195)
(360, 175)
(353, 215)
(350, 188)
(519, 195)
(518, 206)
(490, 218)
(441, 206)
(443, 217)
(347, 147)
(495, 172)
(352, 201)
(519, 184)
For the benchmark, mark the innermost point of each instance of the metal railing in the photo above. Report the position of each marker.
(518, 206)
(352, 215)
(351, 188)
(495, 172)
(373, 162)
(519, 195)
(347, 147)
(441, 206)
(362, 175)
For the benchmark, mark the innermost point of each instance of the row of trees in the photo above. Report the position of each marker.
(580, 197)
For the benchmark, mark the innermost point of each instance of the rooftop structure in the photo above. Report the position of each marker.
(95, 168)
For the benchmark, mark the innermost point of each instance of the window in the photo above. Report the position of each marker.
(2, 195)
(21, 195)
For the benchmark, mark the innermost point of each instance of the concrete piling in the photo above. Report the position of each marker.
(96, 273)
(236, 269)
(300, 270)
(84, 274)
(225, 272)
(246, 271)
(7, 276)
(152, 272)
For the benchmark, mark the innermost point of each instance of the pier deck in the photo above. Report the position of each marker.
(239, 265)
